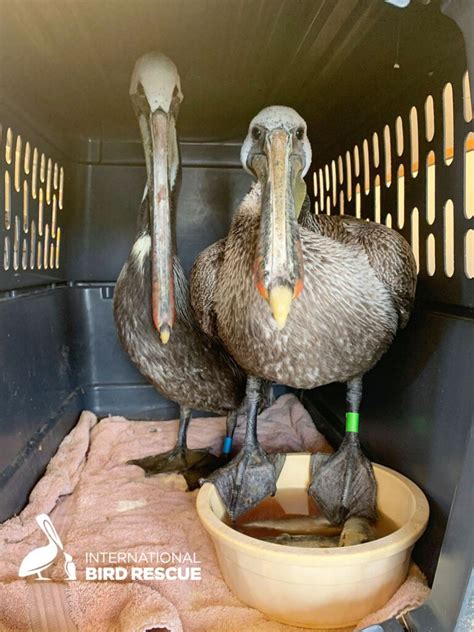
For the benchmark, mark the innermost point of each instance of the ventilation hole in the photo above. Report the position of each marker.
(326, 177)
(429, 118)
(46, 247)
(49, 176)
(315, 184)
(430, 255)
(399, 135)
(40, 212)
(42, 168)
(388, 220)
(27, 159)
(334, 183)
(7, 208)
(321, 189)
(328, 205)
(415, 236)
(358, 200)
(55, 176)
(34, 174)
(54, 213)
(468, 253)
(16, 244)
(26, 202)
(341, 202)
(340, 168)
(376, 149)
(377, 209)
(61, 187)
(430, 187)
(32, 244)
(467, 103)
(24, 254)
(17, 162)
(388, 156)
(401, 196)
(58, 246)
(414, 142)
(449, 238)
(9, 146)
(39, 256)
(349, 176)
(316, 207)
(448, 123)
(6, 253)
(51, 255)
(356, 162)
(469, 176)
(365, 152)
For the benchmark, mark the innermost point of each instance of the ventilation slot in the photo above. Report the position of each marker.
(469, 254)
(430, 255)
(430, 187)
(376, 149)
(7, 202)
(349, 176)
(356, 162)
(34, 175)
(358, 201)
(32, 244)
(16, 245)
(415, 236)
(24, 254)
(429, 118)
(6, 253)
(448, 123)
(26, 202)
(469, 176)
(365, 151)
(449, 238)
(17, 163)
(377, 209)
(414, 142)
(9, 146)
(388, 220)
(467, 103)
(388, 156)
(26, 165)
(401, 197)
(58, 245)
(399, 134)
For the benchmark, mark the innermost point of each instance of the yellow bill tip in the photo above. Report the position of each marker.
(165, 334)
(280, 298)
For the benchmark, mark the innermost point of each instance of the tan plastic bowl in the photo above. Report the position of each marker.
(318, 588)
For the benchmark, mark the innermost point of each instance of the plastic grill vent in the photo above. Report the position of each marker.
(33, 201)
(417, 149)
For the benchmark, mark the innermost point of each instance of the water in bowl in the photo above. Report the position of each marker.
(293, 518)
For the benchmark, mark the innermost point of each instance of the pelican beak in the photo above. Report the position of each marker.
(279, 263)
(162, 279)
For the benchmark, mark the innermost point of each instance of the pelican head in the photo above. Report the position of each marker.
(155, 91)
(277, 151)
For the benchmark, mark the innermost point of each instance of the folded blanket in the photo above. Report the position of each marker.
(98, 503)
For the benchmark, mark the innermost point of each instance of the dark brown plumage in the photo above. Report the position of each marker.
(303, 305)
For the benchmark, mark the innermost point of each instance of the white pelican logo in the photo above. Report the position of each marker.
(42, 558)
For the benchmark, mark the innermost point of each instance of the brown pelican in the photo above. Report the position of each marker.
(304, 305)
(152, 310)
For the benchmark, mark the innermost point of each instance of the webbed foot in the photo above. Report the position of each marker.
(357, 531)
(249, 478)
(179, 460)
(343, 484)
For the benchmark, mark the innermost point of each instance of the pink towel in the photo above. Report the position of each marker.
(99, 504)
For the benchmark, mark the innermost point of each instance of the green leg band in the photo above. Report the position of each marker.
(352, 422)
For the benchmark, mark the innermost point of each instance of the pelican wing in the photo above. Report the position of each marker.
(203, 283)
(389, 254)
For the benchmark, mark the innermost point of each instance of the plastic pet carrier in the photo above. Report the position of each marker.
(386, 94)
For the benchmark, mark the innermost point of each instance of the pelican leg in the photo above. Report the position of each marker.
(211, 462)
(251, 476)
(343, 484)
(180, 458)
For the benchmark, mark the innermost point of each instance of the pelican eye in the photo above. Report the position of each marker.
(256, 133)
(300, 133)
